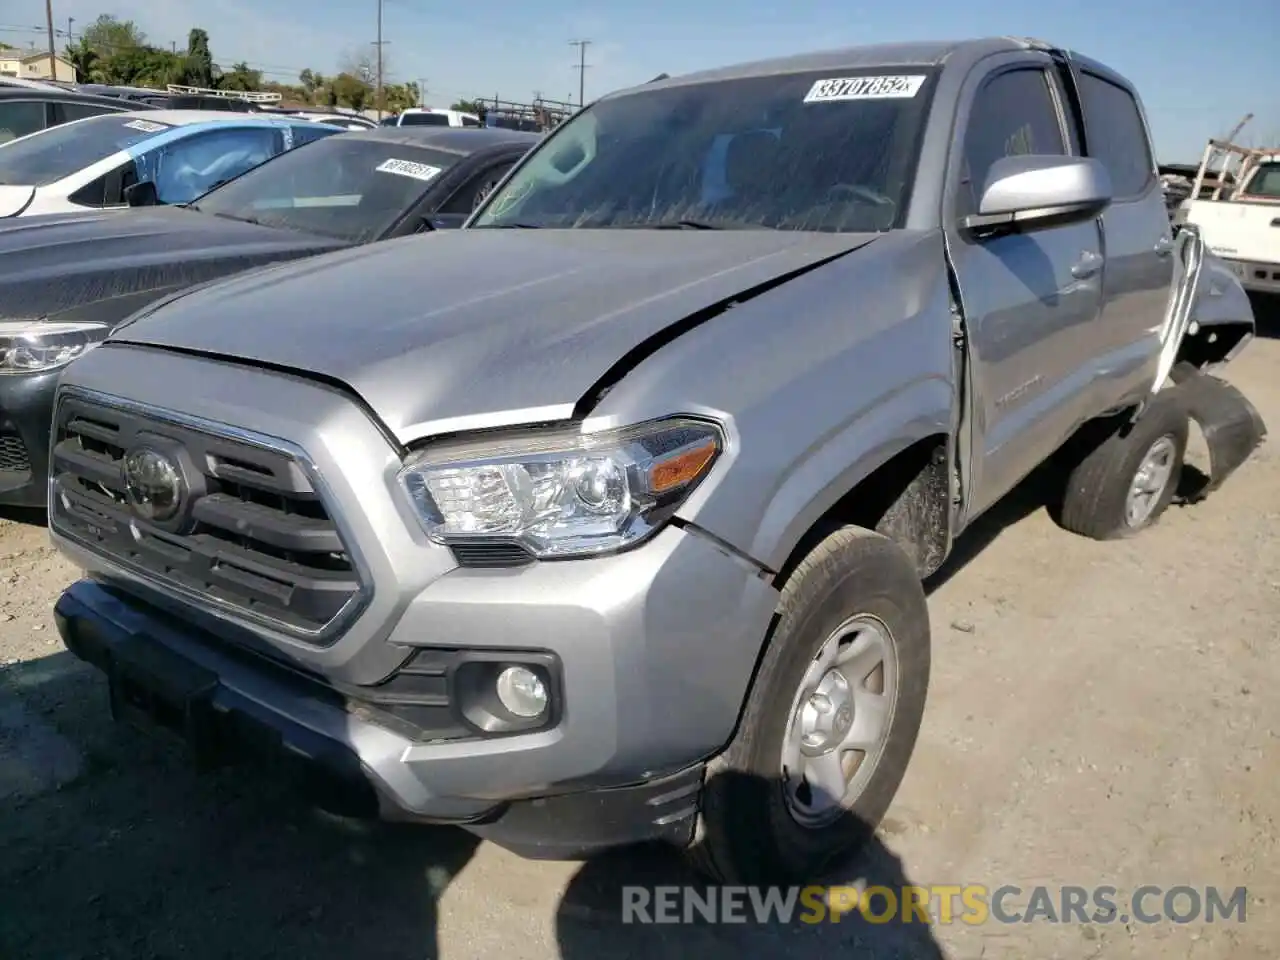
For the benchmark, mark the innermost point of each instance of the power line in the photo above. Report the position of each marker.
(581, 66)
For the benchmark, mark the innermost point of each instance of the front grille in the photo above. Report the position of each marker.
(13, 453)
(254, 536)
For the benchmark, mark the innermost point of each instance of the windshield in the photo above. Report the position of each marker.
(794, 152)
(58, 152)
(1265, 182)
(341, 187)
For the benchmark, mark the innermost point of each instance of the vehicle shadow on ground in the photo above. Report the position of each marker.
(137, 854)
(648, 902)
(1266, 315)
(140, 855)
(28, 516)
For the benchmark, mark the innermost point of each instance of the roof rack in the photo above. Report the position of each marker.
(541, 115)
(252, 96)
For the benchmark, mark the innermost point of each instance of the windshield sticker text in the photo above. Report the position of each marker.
(865, 88)
(146, 126)
(407, 168)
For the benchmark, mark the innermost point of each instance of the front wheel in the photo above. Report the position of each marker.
(831, 720)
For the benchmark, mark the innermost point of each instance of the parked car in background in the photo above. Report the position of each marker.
(432, 117)
(164, 156)
(66, 280)
(350, 121)
(30, 109)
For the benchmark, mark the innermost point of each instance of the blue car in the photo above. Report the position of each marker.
(152, 156)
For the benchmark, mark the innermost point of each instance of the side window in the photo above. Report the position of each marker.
(1013, 114)
(1116, 135)
(471, 122)
(78, 111)
(20, 117)
(471, 194)
(188, 168)
(308, 133)
(107, 190)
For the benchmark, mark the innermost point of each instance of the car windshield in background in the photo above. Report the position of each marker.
(830, 151)
(58, 152)
(340, 187)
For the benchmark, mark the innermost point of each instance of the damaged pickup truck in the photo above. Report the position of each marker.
(630, 544)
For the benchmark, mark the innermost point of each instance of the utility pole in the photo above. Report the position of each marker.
(377, 96)
(53, 53)
(422, 91)
(581, 66)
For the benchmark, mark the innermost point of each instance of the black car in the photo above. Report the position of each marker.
(67, 280)
(25, 110)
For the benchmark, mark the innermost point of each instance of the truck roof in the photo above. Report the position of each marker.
(960, 53)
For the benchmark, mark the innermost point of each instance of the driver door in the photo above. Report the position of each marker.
(1028, 298)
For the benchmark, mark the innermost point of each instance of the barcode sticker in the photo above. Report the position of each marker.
(865, 88)
(407, 168)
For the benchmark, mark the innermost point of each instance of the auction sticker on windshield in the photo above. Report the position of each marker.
(146, 126)
(865, 88)
(407, 168)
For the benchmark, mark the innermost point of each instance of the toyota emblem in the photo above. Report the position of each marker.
(153, 484)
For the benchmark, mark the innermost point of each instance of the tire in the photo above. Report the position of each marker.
(1096, 498)
(747, 832)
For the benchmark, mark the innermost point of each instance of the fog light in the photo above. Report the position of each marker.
(522, 692)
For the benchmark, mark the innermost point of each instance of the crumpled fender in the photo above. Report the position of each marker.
(1232, 427)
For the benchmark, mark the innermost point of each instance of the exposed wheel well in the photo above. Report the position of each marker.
(907, 499)
(1211, 344)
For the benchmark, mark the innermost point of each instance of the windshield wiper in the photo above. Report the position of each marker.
(682, 225)
(512, 226)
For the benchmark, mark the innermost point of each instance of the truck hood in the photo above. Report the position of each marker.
(51, 264)
(479, 328)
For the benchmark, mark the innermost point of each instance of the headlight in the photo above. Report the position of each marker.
(561, 494)
(32, 346)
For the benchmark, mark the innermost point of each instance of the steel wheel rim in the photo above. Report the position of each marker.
(839, 721)
(1150, 481)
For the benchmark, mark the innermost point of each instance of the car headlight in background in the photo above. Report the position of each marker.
(33, 346)
(561, 494)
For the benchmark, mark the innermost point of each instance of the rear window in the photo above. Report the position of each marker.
(424, 120)
(48, 156)
(1265, 182)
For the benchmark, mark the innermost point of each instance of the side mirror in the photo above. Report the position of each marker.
(141, 194)
(1033, 192)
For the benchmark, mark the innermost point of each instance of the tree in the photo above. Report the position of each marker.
(468, 106)
(350, 91)
(198, 69)
(363, 64)
(108, 36)
(240, 77)
(85, 59)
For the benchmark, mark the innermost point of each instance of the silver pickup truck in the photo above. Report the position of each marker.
(605, 519)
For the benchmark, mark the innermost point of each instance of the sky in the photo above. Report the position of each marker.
(1198, 71)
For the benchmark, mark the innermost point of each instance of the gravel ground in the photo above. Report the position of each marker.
(1100, 714)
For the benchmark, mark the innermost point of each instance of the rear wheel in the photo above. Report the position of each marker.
(831, 720)
(1128, 480)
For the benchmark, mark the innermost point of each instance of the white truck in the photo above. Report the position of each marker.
(1239, 215)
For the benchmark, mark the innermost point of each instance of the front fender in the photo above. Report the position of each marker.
(818, 383)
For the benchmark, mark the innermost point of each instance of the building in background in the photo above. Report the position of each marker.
(35, 66)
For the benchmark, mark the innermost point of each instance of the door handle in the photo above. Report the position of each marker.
(1164, 246)
(1089, 264)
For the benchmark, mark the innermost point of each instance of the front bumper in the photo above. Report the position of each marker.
(26, 407)
(228, 704)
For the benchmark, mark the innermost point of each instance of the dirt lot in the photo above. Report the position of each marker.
(1101, 714)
